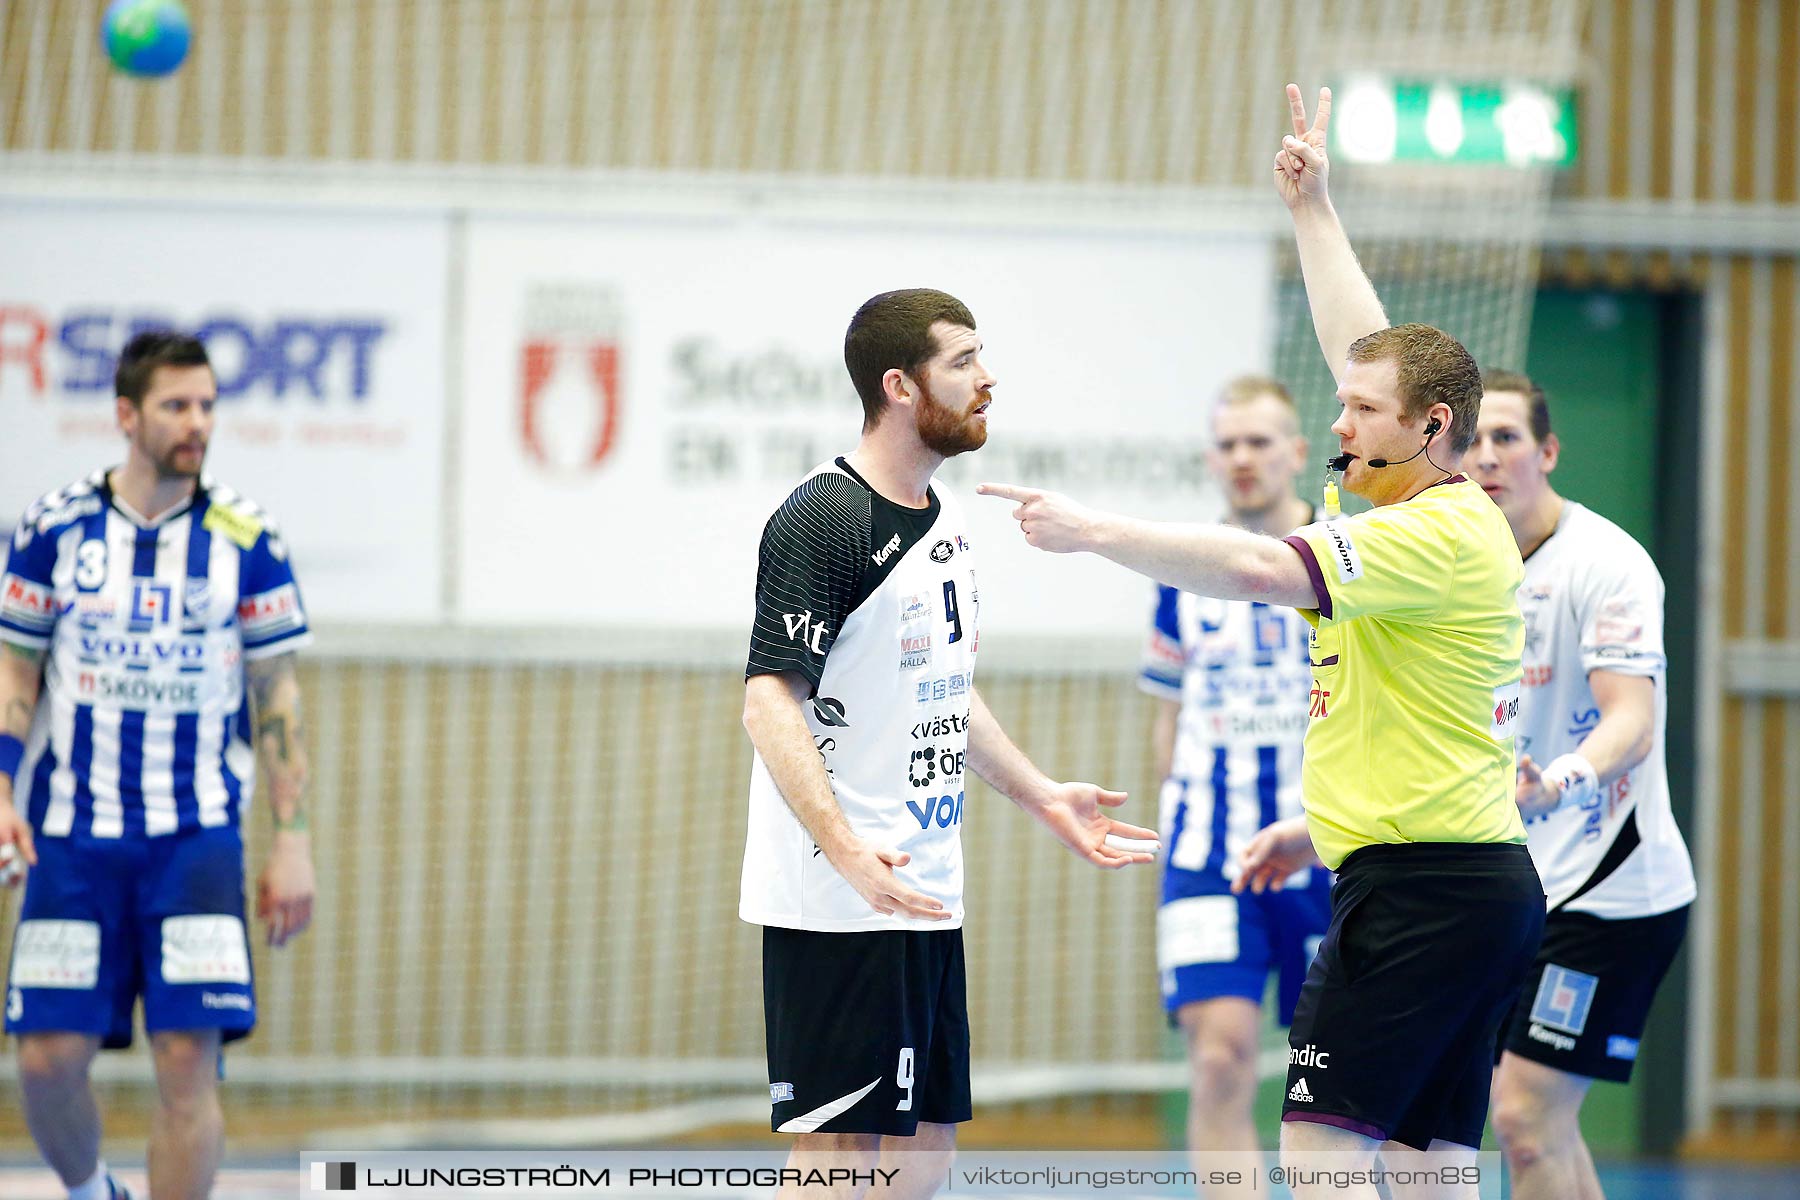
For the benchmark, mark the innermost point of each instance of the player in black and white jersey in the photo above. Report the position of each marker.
(1594, 793)
(860, 701)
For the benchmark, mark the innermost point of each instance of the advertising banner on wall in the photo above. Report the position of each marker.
(326, 333)
(640, 395)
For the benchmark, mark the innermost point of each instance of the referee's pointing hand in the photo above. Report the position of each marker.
(1050, 520)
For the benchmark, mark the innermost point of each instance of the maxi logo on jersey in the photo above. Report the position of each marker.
(915, 652)
(28, 603)
(281, 356)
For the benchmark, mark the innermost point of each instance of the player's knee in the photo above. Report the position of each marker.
(1224, 1071)
(48, 1060)
(1522, 1126)
(187, 1069)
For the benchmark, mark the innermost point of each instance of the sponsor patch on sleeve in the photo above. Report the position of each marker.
(1343, 551)
(241, 528)
(267, 616)
(204, 948)
(26, 604)
(56, 954)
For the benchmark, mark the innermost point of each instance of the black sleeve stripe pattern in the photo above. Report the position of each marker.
(809, 575)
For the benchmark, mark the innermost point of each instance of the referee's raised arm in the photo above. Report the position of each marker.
(1344, 304)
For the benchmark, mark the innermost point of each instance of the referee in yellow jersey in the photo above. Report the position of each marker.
(1408, 779)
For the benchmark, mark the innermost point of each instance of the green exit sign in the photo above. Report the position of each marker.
(1514, 124)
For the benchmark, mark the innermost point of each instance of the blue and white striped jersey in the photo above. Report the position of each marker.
(142, 726)
(1241, 673)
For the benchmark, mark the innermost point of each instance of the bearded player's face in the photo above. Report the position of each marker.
(954, 387)
(171, 426)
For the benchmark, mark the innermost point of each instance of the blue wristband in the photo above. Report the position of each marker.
(11, 751)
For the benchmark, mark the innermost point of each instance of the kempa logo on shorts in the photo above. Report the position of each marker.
(1343, 553)
(1557, 1041)
(1308, 1056)
(1299, 1092)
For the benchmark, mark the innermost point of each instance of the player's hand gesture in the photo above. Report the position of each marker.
(17, 851)
(1050, 520)
(870, 870)
(284, 890)
(1073, 814)
(1300, 165)
(1535, 797)
(1277, 851)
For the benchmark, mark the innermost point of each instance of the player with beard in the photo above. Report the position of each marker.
(137, 608)
(860, 702)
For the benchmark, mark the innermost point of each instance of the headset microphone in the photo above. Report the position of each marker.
(1337, 463)
(1431, 427)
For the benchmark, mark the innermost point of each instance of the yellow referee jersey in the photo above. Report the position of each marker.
(1415, 664)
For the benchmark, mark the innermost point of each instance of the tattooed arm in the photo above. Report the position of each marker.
(284, 890)
(21, 673)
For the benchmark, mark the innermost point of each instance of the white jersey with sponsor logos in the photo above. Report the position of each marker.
(1241, 672)
(1593, 601)
(875, 604)
(141, 728)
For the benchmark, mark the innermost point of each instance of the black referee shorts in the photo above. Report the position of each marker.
(1588, 994)
(868, 1031)
(1428, 946)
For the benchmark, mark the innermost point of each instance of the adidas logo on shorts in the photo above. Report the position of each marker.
(1299, 1092)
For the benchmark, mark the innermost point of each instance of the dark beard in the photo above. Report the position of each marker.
(166, 468)
(945, 430)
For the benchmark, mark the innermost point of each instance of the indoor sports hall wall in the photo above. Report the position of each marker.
(1064, 114)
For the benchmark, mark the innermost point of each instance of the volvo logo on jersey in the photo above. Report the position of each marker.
(570, 397)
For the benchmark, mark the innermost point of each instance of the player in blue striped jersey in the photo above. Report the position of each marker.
(149, 616)
(1235, 682)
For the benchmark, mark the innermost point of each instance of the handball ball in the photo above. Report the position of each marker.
(145, 37)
